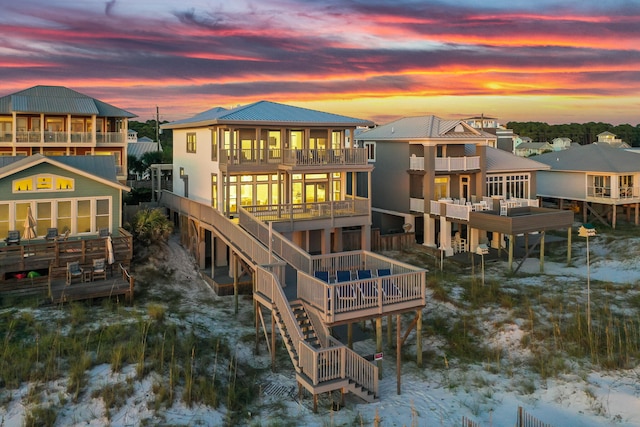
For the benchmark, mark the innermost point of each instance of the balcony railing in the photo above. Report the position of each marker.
(447, 164)
(459, 208)
(624, 192)
(309, 211)
(49, 137)
(335, 157)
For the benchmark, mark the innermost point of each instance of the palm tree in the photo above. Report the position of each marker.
(151, 226)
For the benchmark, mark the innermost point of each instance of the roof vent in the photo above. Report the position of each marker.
(392, 129)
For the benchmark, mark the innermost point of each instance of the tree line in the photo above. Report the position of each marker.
(581, 133)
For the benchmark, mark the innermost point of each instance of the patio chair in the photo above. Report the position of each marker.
(65, 236)
(389, 287)
(368, 288)
(345, 291)
(74, 271)
(99, 269)
(322, 275)
(52, 234)
(13, 237)
(103, 232)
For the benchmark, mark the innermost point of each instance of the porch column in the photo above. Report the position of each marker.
(569, 246)
(366, 237)
(542, 252)
(337, 240)
(429, 238)
(325, 244)
(445, 236)
(201, 248)
(220, 259)
(474, 239)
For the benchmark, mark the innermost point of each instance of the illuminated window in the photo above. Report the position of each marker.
(214, 145)
(64, 216)
(44, 183)
(25, 184)
(191, 142)
(63, 183)
(83, 216)
(43, 217)
(214, 191)
(4, 219)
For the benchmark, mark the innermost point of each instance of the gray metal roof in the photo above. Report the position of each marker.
(100, 166)
(532, 145)
(499, 161)
(422, 127)
(592, 158)
(57, 100)
(137, 149)
(267, 112)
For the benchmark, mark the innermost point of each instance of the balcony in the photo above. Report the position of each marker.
(249, 159)
(460, 209)
(447, 164)
(623, 192)
(59, 138)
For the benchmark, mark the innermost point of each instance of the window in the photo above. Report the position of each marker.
(43, 217)
(214, 145)
(103, 211)
(441, 188)
(509, 186)
(191, 142)
(371, 150)
(64, 216)
(214, 191)
(43, 183)
(4, 219)
(83, 216)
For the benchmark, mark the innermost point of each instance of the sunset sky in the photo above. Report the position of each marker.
(542, 60)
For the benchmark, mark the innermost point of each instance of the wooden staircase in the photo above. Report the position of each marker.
(321, 362)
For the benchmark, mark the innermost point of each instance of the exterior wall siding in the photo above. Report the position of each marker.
(389, 179)
(567, 185)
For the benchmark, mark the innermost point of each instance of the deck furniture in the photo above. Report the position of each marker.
(13, 237)
(99, 270)
(345, 291)
(52, 234)
(322, 275)
(74, 271)
(103, 232)
(389, 287)
(368, 288)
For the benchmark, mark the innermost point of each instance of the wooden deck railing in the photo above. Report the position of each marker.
(40, 254)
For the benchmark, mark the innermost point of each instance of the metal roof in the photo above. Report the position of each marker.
(499, 161)
(57, 100)
(267, 112)
(423, 127)
(100, 167)
(139, 148)
(592, 158)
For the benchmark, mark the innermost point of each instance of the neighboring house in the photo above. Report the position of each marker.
(559, 144)
(140, 148)
(597, 176)
(77, 195)
(526, 149)
(505, 138)
(455, 184)
(610, 138)
(57, 121)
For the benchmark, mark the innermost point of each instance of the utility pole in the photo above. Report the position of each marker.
(158, 128)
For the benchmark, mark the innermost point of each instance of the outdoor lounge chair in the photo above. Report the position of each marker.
(13, 237)
(368, 288)
(52, 234)
(103, 232)
(99, 269)
(74, 271)
(389, 287)
(322, 275)
(346, 292)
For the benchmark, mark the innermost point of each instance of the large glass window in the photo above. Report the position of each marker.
(441, 188)
(191, 142)
(64, 216)
(83, 216)
(102, 214)
(296, 140)
(214, 191)
(43, 217)
(509, 186)
(214, 145)
(4, 219)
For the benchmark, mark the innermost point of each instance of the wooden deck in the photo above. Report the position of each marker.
(53, 289)
(39, 255)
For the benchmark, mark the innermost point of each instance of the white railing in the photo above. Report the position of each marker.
(449, 164)
(416, 205)
(416, 163)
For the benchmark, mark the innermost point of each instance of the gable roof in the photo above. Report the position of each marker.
(138, 149)
(98, 168)
(532, 145)
(501, 161)
(57, 100)
(266, 112)
(592, 158)
(421, 128)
